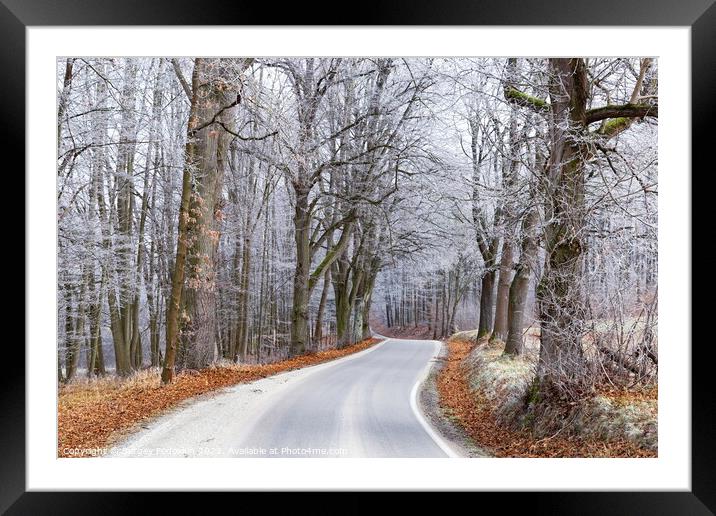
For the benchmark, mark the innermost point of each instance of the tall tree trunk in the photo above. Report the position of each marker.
(488, 247)
(487, 303)
(69, 328)
(301, 294)
(560, 300)
(234, 343)
(318, 328)
(499, 333)
(509, 182)
(74, 349)
(95, 366)
(344, 305)
(124, 179)
(366, 332)
(109, 268)
(215, 92)
(520, 284)
(388, 310)
(153, 300)
(135, 344)
(121, 355)
(348, 286)
(174, 305)
(243, 304)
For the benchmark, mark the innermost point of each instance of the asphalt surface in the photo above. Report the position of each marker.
(360, 406)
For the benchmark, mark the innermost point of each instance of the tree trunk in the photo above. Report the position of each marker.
(487, 302)
(62, 101)
(215, 89)
(69, 326)
(301, 294)
(95, 366)
(215, 93)
(509, 215)
(74, 350)
(366, 332)
(559, 296)
(343, 312)
(173, 307)
(124, 177)
(520, 284)
(499, 333)
(243, 304)
(121, 350)
(488, 247)
(318, 328)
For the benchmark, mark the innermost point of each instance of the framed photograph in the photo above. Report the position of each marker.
(433, 248)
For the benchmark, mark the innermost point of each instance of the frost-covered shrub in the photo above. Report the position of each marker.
(507, 383)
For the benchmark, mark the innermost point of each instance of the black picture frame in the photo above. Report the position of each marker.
(700, 15)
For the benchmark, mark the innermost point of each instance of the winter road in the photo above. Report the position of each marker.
(363, 405)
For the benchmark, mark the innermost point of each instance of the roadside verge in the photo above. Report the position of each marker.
(439, 418)
(486, 395)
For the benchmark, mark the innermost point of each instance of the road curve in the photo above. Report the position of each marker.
(359, 406)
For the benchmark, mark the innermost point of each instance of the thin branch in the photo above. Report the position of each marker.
(182, 80)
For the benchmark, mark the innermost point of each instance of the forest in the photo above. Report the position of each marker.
(252, 210)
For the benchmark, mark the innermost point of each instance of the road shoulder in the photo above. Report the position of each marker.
(441, 422)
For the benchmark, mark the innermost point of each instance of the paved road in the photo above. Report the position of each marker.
(359, 406)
